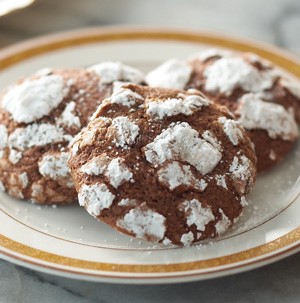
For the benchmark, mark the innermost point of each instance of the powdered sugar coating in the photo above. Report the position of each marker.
(171, 74)
(244, 202)
(23, 178)
(74, 147)
(54, 166)
(166, 241)
(115, 170)
(255, 59)
(173, 107)
(202, 184)
(211, 53)
(96, 166)
(144, 223)
(187, 239)
(126, 131)
(174, 175)
(231, 129)
(34, 99)
(182, 143)
(3, 136)
(221, 181)
(241, 171)
(226, 74)
(211, 138)
(68, 118)
(128, 202)
(111, 71)
(124, 97)
(37, 135)
(87, 138)
(240, 167)
(117, 86)
(274, 118)
(36, 189)
(196, 213)
(95, 198)
(14, 156)
(291, 85)
(118, 172)
(223, 224)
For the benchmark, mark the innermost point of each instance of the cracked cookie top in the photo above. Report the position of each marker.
(163, 165)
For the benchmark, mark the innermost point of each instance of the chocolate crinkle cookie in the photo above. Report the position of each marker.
(163, 165)
(39, 116)
(264, 100)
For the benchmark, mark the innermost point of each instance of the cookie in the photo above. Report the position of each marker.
(266, 102)
(163, 165)
(39, 116)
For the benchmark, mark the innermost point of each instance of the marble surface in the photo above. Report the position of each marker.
(276, 22)
(275, 283)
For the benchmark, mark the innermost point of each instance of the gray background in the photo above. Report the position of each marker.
(273, 21)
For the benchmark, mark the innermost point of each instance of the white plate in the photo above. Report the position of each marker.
(67, 241)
